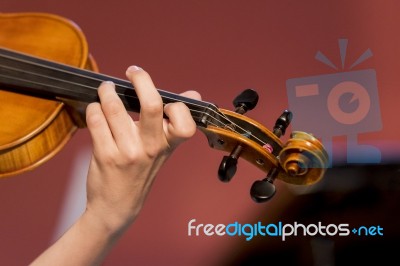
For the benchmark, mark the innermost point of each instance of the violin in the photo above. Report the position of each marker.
(47, 77)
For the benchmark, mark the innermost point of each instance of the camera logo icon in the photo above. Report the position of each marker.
(358, 92)
(338, 104)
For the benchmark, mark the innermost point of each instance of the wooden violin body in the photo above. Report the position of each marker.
(33, 129)
(47, 76)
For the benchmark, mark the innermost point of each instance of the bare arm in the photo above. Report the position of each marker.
(126, 158)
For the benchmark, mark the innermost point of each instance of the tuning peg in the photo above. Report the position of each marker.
(282, 123)
(227, 168)
(228, 165)
(264, 190)
(245, 101)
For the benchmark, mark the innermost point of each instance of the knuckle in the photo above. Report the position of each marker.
(152, 107)
(112, 107)
(186, 131)
(153, 150)
(93, 115)
(177, 106)
(120, 159)
(108, 159)
(129, 158)
(178, 110)
(183, 124)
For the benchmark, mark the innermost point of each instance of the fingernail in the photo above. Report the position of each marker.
(108, 83)
(133, 69)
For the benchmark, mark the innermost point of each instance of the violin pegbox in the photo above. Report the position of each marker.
(301, 161)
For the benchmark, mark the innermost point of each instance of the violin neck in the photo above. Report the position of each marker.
(42, 78)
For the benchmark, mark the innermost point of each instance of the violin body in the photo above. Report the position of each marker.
(47, 77)
(33, 129)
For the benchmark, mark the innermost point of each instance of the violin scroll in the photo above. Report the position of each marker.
(55, 85)
(301, 161)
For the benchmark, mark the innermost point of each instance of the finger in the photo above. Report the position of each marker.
(192, 94)
(180, 124)
(116, 115)
(98, 128)
(151, 105)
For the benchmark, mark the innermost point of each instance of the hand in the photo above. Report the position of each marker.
(127, 155)
(126, 158)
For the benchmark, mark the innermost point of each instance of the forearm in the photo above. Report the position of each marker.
(87, 242)
(126, 157)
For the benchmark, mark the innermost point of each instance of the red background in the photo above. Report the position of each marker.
(217, 48)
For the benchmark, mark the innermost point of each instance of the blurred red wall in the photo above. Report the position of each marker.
(217, 48)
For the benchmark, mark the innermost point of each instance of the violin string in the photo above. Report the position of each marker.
(231, 125)
(57, 87)
(199, 114)
(84, 76)
(77, 84)
(99, 80)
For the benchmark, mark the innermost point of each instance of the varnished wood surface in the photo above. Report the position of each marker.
(32, 129)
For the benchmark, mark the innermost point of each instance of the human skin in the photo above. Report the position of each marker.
(126, 157)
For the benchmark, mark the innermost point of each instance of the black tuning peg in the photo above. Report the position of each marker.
(282, 123)
(264, 190)
(245, 101)
(228, 166)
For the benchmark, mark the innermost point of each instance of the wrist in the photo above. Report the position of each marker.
(108, 224)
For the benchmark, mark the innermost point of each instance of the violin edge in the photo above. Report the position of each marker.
(57, 38)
